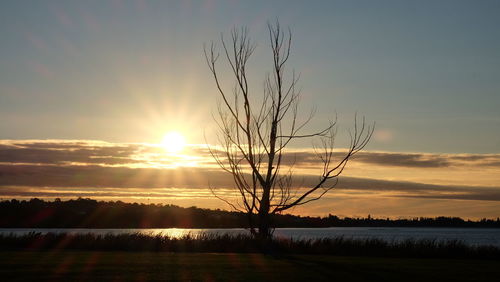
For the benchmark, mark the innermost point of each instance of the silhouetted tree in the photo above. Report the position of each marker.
(255, 131)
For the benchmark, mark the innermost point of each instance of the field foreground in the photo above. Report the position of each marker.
(146, 266)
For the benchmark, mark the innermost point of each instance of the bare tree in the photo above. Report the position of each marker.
(255, 130)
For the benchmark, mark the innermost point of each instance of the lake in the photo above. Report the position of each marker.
(471, 236)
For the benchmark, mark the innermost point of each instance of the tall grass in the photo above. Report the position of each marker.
(225, 243)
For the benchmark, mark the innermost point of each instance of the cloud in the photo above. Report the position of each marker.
(66, 152)
(99, 176)
(403, 159)
(99, 168)
(411, 160)
(104, 153)
(147, 179)
(420, 190)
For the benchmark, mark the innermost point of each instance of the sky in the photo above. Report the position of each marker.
(121, 74)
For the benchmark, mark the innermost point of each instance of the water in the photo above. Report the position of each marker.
(471, 236)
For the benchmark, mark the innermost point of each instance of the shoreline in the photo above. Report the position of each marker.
(225, 243)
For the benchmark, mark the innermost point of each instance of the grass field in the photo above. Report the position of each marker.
(146, 266)
(206, 243)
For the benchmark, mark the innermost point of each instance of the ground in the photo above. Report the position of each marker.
(133, 266)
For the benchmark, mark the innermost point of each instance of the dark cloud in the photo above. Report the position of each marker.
(60, 153)
(73, 165)
(411, 160)
(99, 176)
(109, 179)
(55, 193)
(89, 152)
(403, 159)
(420, 190)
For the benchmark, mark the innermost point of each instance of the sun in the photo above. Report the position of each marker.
(173, 142)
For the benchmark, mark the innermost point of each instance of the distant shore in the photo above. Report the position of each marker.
(88, 213)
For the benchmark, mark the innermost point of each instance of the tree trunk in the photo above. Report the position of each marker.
(264, 220)
(264, 226)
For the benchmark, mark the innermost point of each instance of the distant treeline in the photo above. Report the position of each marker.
(88, 213)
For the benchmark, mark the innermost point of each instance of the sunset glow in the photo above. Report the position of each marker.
(223, 140)
(114, 101)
